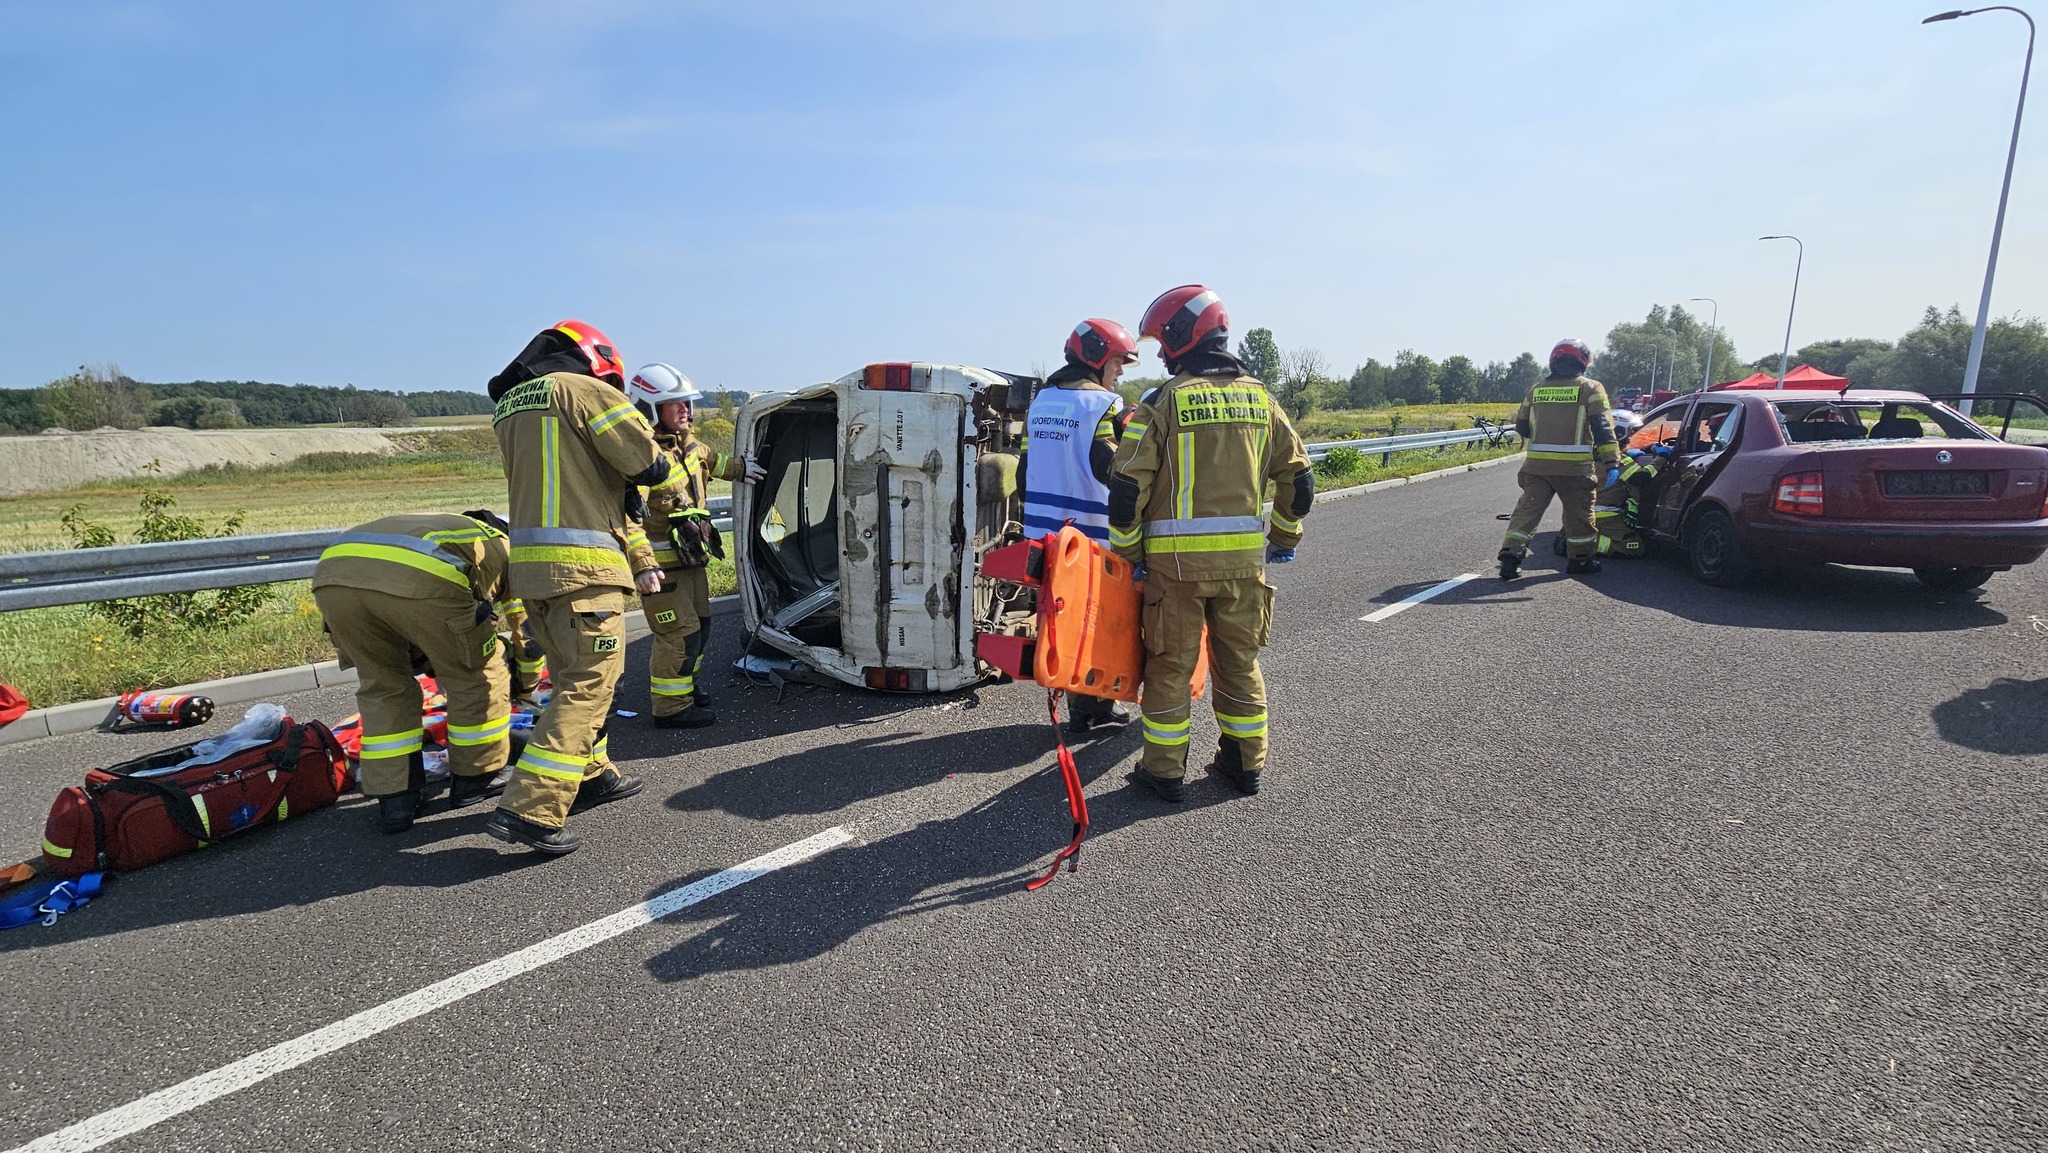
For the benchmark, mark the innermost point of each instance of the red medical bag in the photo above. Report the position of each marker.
(119, 820)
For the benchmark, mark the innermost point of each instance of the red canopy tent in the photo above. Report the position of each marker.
(1805, 376)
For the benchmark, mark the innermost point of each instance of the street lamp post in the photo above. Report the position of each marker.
(1707, 377)
(1786, 354)
(1998, 224)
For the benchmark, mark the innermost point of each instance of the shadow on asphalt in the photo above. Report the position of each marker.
(750, 711)
(1815, 598)
(2006, 717)
(988, 852)
(337, 853)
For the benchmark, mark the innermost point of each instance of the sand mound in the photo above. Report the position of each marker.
(54, 460)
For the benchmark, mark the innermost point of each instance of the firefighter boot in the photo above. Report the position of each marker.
(610, 785)
(1510, 565)
(1170, 789)
(396, 811)
(1584, 564)
(695, 717)
(466, 791)
(1229, 764)
(1085, 714)
(518, 830)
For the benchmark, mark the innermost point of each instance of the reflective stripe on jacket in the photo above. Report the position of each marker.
(1565, 424)
(431, 556)
(1196, 458)
(570, 441)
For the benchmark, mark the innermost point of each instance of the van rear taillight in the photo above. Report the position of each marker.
(895, 680)
(886, 378)
(1800, 494)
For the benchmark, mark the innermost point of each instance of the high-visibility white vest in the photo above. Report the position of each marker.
(1058, 485)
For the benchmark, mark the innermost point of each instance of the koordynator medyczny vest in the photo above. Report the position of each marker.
(1060, 486)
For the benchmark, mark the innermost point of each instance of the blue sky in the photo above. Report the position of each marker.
(768, 194)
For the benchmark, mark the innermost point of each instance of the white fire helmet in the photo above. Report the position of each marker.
(656, 384)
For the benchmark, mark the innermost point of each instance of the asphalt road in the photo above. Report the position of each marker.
(1619, 863)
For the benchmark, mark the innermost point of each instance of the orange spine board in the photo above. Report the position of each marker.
(1088, 618)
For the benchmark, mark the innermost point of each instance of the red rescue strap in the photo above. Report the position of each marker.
(1077, 803)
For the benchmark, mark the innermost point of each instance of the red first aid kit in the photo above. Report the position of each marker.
(123, 819)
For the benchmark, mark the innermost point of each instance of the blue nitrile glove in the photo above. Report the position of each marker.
(1279, 555)
(1636, 454)
(1613, 475)
(1663, 450)
(1138, 573)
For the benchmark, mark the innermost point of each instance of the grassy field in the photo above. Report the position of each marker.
(1405, 464)
(1359, 423)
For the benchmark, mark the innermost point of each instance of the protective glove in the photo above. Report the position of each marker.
(1138, 573)
(752, 470)
(1279, 555)
(636, 505)
(1613, 475)
(1663, 450)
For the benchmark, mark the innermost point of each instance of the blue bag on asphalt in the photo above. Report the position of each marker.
(48, 900)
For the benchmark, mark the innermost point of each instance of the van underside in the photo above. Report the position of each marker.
(859, 552)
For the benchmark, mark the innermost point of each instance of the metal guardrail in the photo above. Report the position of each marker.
(1386, 446)
(37, 580)
(83, 576)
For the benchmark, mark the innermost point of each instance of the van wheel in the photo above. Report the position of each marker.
(1953, 580)
(1714, 552)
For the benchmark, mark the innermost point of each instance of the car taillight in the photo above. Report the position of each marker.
(894, 680)
(886, 377)
(1800, 494)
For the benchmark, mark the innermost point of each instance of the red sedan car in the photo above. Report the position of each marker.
(1860, 477)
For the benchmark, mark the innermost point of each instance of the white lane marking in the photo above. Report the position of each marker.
(1402, 606)
(165, 1104)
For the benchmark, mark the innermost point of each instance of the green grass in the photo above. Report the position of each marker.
(56, 656)
(1360, 423)
(1408, 464)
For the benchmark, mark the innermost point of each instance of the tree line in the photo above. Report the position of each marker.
(1668, 349)
(102, 396)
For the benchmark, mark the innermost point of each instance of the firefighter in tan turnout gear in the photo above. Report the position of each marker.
(575, 451)
(403, 588)
(1570, 447)
(1185, 490)
(684, 539)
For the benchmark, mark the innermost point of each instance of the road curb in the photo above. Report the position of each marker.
(86, 716)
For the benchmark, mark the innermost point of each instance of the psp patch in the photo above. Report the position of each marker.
(604, 644)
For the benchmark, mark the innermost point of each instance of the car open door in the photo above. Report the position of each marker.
(1708, 434)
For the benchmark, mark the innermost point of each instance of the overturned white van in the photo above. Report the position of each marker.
(859, 553)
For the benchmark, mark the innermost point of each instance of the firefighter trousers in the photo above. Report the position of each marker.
(377, 632)
(584, 636)
(1617, 536)
(1575, 495)
(1238, 614)
(678, 614)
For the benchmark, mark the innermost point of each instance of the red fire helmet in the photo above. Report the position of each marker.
(1182, 317)
(604, 360)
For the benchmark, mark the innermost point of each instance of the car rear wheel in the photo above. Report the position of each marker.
(1953, 580)
(1714, 552)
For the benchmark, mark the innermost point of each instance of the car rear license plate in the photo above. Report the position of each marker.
(1936, 483)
